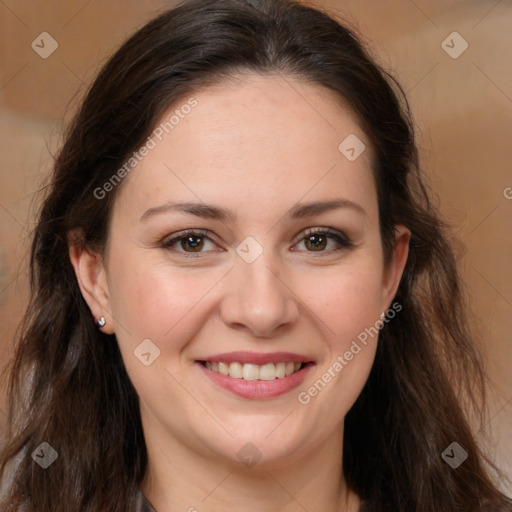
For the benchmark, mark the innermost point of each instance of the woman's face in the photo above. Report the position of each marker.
(262, 164)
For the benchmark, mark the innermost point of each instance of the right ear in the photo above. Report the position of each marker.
(92, 279)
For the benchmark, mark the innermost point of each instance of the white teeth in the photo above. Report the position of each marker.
(248, 371)
(251, 371)
(224, 368)
(280, 370)
(235, 370)
(267, 372)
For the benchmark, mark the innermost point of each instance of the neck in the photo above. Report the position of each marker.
(180, 478)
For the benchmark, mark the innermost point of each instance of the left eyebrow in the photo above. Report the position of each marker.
(298, 211)
(303, 210)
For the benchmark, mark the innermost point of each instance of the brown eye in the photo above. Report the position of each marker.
(194, 241)
(316, 242)
(186, 243)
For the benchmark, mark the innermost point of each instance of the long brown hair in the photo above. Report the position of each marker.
(68, 385)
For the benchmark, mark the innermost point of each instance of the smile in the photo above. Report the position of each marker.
(248, 371)
(256, 376)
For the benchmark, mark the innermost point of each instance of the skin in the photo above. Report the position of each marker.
(257, 145)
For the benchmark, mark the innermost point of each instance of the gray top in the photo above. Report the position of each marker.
(143, 505)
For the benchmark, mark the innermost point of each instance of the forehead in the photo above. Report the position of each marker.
(248, 108)
(253, 138)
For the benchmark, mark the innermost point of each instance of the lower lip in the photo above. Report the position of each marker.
(257, 389)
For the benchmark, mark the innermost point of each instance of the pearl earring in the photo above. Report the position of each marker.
(100, 322)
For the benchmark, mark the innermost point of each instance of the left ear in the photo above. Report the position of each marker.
(393, 273)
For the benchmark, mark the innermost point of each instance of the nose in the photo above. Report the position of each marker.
(257, 299)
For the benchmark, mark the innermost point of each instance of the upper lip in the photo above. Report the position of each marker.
(257, 358)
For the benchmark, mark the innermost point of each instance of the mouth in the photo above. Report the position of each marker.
(256, 376)
(249, 371)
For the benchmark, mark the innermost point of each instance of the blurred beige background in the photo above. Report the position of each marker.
(462, 102)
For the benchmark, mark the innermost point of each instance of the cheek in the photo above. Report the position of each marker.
(151, 300)
(345, 300)
(157, 302)
(346, 303)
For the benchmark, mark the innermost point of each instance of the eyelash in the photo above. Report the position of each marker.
(343, 241)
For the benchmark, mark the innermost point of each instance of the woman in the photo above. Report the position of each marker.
(242, 295)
